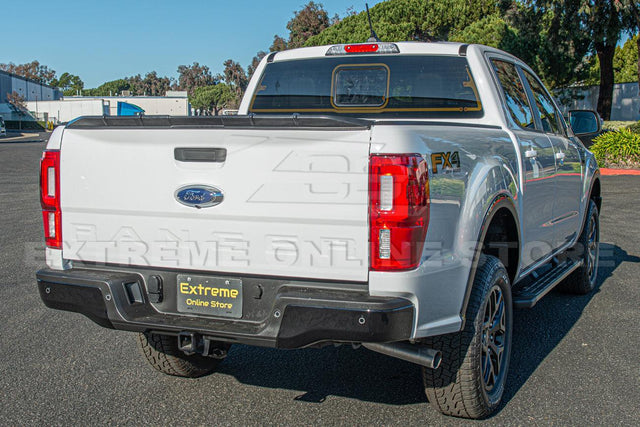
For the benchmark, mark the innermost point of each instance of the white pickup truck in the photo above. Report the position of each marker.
(399, 196)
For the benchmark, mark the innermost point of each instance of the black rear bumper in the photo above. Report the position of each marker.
(285, 314)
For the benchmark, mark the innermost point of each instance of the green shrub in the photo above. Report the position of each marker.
(634, 127)
(619, 148)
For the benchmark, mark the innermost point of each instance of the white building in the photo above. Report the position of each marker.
(175, 103)
(68, 109)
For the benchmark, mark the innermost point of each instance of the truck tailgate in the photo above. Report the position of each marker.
(295, 201)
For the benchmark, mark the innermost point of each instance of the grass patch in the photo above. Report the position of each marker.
(616, 125)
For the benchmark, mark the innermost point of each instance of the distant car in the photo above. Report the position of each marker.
(3, 129)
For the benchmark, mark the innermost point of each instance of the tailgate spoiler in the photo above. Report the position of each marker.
(251, 121)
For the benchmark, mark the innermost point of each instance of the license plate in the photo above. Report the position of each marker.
(215, 296)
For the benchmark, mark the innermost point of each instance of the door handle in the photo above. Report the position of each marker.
(530, 154)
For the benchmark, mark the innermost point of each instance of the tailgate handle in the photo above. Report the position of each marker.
(197, 154)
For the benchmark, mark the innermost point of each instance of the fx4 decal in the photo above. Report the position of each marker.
(448, 160)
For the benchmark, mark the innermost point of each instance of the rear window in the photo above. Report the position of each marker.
(418, 86)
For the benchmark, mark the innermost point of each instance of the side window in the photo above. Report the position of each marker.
(514, 93)
(548, 113)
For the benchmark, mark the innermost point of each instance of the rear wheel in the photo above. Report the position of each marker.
(470, 380)
(163, 354)
(587, 249)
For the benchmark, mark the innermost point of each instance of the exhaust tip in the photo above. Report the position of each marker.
(437, 358)
(414, 353)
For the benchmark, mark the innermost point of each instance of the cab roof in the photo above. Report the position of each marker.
(405, 48)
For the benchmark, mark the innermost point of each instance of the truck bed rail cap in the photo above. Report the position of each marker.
(204, 122)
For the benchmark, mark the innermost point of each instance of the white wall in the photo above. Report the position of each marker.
(72, 107)
(625, 105)
(66, 110)
(152, 105)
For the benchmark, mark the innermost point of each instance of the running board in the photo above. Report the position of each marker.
(529, 295)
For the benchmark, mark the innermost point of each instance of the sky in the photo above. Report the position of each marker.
(106, 40)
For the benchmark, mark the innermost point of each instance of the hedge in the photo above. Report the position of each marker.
(620, 148)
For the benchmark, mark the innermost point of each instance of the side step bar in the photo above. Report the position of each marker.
(529, 295)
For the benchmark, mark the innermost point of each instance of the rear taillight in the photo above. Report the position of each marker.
(50, 198)
(398, 210)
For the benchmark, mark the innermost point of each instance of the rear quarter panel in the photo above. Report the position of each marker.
(461, 195)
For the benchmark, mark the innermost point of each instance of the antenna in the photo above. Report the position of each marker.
(373, 37)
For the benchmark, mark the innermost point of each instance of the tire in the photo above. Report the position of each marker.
(583, 280)
(459, 387)
(163, 354)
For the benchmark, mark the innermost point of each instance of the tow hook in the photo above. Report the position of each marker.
(191, 343)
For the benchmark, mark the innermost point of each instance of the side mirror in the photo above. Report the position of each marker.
(584, 122)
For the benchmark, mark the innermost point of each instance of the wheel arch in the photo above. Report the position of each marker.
(595, 193)
(501, 219)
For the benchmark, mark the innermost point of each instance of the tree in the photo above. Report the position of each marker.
(603, 22)
(550, 38)
(631, 11)
(112, 88)
(625, 61)
(32, 70)
(234, 74)
(491, 30)
(154, 85)
(213, 98)
(194, 76)
(236, 78)
(136, 87)
(17, 102)
(307, 22)
(70, 84)
(279, 44)
(596, 24)
(255, 62)
(399, 20)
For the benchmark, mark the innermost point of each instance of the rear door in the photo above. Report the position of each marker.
(294, 201)
(539, 169)
(566, 208)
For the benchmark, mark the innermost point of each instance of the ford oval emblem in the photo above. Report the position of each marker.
(199, 196)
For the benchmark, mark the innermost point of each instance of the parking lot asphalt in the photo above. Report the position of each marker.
(575, 361)
(26, 136)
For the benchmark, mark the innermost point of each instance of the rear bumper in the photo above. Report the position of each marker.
(284, 313)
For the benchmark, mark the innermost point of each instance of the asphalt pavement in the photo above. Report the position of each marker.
(575, 361)
(24, 136)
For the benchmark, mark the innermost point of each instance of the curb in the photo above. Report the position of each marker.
(616, 172)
